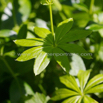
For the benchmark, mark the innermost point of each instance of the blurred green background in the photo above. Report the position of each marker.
(17, 19)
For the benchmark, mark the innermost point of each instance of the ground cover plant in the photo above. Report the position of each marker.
(51, 51)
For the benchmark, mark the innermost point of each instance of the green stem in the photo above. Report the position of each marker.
(91, 6)
(12, 73)
(51, 19)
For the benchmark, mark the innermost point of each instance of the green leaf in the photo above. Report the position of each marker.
(81, 6)
(27, 99)
(41, 98)
(95, 27)
(63, 28)
(17, 92)
(87, 99)
(61, 59)
(74, 35)
(94, 81)
(70, 82)
(44, 33)
(29, 42)
(73, 48)
(63, 93)
(41, 32)
(30, 54)
(76, 64)
(7, 33)
(96, 89)
(42, 60)
(83, 77)
(23, 10)
(22, 32)
(73, 99)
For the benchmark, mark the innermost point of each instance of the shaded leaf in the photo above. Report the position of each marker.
(81, 6)
(74, 35)
(61, 59)
(63, 28)
(17, 91)
(22, 32)
(73, 48)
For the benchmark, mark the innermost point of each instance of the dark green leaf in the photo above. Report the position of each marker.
(63, 28)
(22, 32)
(18, 89)
(74, 35)
(73, 48)
(62, 59)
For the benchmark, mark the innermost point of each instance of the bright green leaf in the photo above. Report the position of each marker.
(42, 60)
(70, 82)
(87, 99)
(63, 93)
(30, 54)
(94, 27)
(83, 77)
(29, 42)
(41, 98)
(73, 99)
(74, 35)
(61, 59)
(41, 32)
(44, 33)
(73, 48)
(94, 81)
(63, 28)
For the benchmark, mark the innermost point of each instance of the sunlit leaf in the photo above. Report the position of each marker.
(29, 42)
(63, 93)
(42, 60)
(30, 54)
